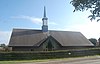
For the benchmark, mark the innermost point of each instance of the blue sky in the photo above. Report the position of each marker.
(27, 14)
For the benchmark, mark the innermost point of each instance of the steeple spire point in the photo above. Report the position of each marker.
(44, 11)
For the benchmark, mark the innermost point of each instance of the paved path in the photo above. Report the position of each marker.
(84, 60)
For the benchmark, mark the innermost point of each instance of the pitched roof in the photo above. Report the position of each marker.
(68, 38)
(28, 37)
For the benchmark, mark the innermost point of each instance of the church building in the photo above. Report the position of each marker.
(47, 40)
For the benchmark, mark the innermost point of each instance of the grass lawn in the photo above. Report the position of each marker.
(8, 62)
(30, 61)
(43, 60)
(24, 61)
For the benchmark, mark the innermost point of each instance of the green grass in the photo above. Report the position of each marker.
(23, 61)
(30, 61)
(8, 62)
(42, 60)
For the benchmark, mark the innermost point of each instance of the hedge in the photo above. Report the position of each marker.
(47, 55)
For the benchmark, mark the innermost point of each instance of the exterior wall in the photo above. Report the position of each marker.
(42, 48)
(74, 47)
(38, 48)
(25, 48)
(21, 48)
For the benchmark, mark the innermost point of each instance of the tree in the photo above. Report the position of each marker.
(2, 45)
(92, 5)
(99, 41)
(93, 40)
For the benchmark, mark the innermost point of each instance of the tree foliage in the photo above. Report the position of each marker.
(2, 45)
(92, 5)
(93, 40)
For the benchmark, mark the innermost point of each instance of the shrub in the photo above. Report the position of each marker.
(47, 55)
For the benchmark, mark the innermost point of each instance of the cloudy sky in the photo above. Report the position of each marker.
(27, 14)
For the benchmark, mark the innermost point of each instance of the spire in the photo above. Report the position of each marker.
(44, 12)
(44, 17)
(45, 22)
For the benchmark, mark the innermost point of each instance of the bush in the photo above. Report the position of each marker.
(47, 55)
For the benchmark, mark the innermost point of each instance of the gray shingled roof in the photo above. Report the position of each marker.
(27, 37)
(68, 38)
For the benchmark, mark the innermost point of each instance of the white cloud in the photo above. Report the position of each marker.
(52, 23)
(30, 18)
(4, 37)
(33, 19)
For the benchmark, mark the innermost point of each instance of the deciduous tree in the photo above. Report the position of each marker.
(92, 5)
